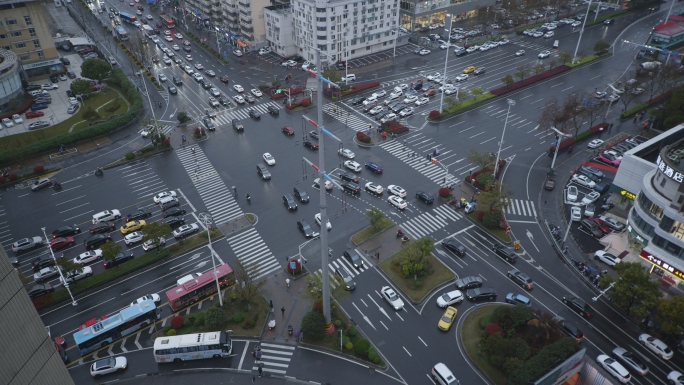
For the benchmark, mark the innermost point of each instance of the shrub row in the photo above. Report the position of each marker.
(306, 102)
(354, 88)
(394, 127)
(565, 144)
(362, 137)
(293, 91)
(646, 105)
(532, 79)
(473, 178)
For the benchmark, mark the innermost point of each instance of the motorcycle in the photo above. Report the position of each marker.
(289, 329)
(453, 202)
(607, 206)
(57, 186)
(400, 234)
(404, 239)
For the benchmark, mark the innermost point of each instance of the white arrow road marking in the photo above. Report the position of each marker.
(407, 352)
(380, 308)
(381, 323)
(531, 237)
(364, 317)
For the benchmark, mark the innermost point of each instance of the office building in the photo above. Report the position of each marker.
(280, 30)
(417, 14)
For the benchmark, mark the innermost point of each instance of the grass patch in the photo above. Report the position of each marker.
(237, 317)
(367, 233)
(250, 217)
(449, 110)
(587, 59)
(194, 241)
(605, 17)
(471, 334)
(499, 233)
(437, 275)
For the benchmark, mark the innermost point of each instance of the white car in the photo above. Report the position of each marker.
(520, 52)
(133, 237)
(374, 188)
(397, 202)
(185, 230)
(549, 34)
(370, 100)
(376, 110)
(450, 91)
(17, 119)
(153, 297)
(421, 101)
(150, 244)
(178, 36)
(583, 180)
(380, 93)
(410, 99)
(445, 45)
(473, 48)
(213, 102)
(350, 164)
(575, 213)
(188, 70)
(256, 92)
(317, 218)
(27, 243)
(328, 184)
(607, 258)
(269, 159)
(349, 154)
(175, 47)
(8, 122)
(188, 57)
(162, 78)
(264, 50)
(50, 86)
(395, 94)
(432, 77)
(424, 52)
(612, 223)
(388, 117)
(214, 92)
(462, 77)
(289, 63)
(656, 346)
(168, 38)
(45, 273)
(88, 256)
(613, 98)
(589, 210)
(450, 298)
(108, 365)
(239, 99)
(210, 73)
(73, 100)
(544, 54)
(402, 87)
(614, 368)
(596, 143)
(676, 378)
(571, 194)
(164, 194)
(614, 154)
(406, 112)
(396, 190)
(238, 88)
(77, 274)
(197, 76)
(590, 198)
(392, 298)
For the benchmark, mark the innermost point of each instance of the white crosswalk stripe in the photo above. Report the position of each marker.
(225, 116)
(351, 120)
(423, 225)
(251, 250)
(445, 212)
(338, 263)
(274, 358)
(418, 162)
(521, 207)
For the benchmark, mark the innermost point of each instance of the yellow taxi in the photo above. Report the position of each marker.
(469, 69)
(132, 226)
(447, 318)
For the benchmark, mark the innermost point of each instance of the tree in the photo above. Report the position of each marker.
(671, 314)
(95, 69)
(67, 266)
(214, 318)
(450, 102)
(375, 216)
(140, 51)
(564, 56)
(547, 118)
(477, 91)
(414, 258)
(313, 325)
(601, 46)
(156, 232)
(633, 290)
(552, 63)
(593, 109)
(109, 250)
(81, 87)
(674, 109)
(522, 71)
(480, 158)
(572, 111)
(508, 80)
(425, 246)
(496, 198)
(331, 73)
(670, 75)
(183, 117)
(538, 68)
(248, 283)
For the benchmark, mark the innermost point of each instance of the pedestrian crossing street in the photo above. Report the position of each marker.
(434, 172)
(250, 250)
(521, 207)
(351, 120)
(274, 358)
(427, 222)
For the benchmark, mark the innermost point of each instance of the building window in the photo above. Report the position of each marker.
(32, 31)
(642, 225)
(40, 54)
(651, 208)
(7, 47)
(320, 10)
(662, 182)
(27, 19)
(15, 33)
(322, 28)
(36, 43)
(11, 22)
(20, 45)
(3, 36)
(25, 57)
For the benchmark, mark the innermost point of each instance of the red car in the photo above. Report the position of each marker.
(144, 21)
(159, 24)
(288, 130)
(601, 225)
(92, 322)
(140, 7)
(224, 79)
(60, 243)
(34, 114)
(607, 158)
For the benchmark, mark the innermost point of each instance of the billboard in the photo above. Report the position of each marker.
(564, 370)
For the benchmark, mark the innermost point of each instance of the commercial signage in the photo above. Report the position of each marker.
(636, 235)
(662, 264)
(628, 194)
(669, 171)
(40, 64)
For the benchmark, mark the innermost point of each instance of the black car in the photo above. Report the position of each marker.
(350, 178)
(569, 329)
(381, 115)
(263, 172)
(289, 202)
(173, 90)
(206, 84)
(608, 21)
(468, 283)
(297, 58)
(96, 240)
(418, 86)
(578, 305)
(138, 215)
(301, 195)
(70, 93)
(40, 290)
(481, 293)
(354, 258)
(311, 145)
(224, 101)
(224, 79)
(504, 252)
(351, 188)
(54, 78)
(340, 66)
(369, 107)
(209, 124)
(454, 246)
(273, 110)
(425, 197)
(590, 227)
(173, 221)
(602, 187)
(174, 212)
(593, 173)
(521, 279)
(306, 229)
(33, 87)
(118, 259)
(358, 100)
(43, 262)
(237, 125)
(102, 227)
(399, 107)
(66, 231)
(177, 81)
(479, 71)
(253, 114)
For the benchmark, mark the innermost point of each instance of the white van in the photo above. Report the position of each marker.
(349, 78)
(106, 216)
(187, 278)
(443, 375)
(555, 44)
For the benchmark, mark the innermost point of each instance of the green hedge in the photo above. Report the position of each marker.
(450, 110)
(634, 110)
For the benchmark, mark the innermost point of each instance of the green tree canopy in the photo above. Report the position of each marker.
(601, 46)
(95, 69)
(507, 80)
(633, 290)
(81, 87)
(671, 315)
(480, 158)
(110, 249)
(156, 232)
(375, 216)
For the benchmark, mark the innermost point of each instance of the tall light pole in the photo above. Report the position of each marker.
(555, 153)
(207, 220)
(54, 259)
(584, 22)
(446, 60)
(511, 103)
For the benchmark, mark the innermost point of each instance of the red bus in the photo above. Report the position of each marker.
(201, 287)
(168, 22)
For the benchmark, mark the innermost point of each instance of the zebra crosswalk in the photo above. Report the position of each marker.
(432, 171)
(251, 250)
(521, 207)
(342, 263)
(226, 116)
(350, 120)
(274, 358)
(426, 223)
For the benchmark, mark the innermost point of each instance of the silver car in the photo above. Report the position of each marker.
(27, 243)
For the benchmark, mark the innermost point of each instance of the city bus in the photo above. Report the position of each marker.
(127, 17)
(195, 346)
(168, 22)
(121, 33)
(201, 287)
(125, 322)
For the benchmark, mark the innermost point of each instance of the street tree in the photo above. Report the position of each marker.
(572, 111)
(110, 250)
(477, 91)
(601, 46)
(564, 56)
(652, 83)
(451, 101)
(480, 158)
(331, 73)
(337, 288)
(157, 232)
(81, 87)
(522, 71)
(495, 198)
(414, 260)
(633, 290)
(95, 69)
(671, 315)
(248, 288)
(508, 80)
(214, 318)
(538, 68)
(67, 266)
(375, 217)
(552, 63)
(183, 117)
(593, 109)
(138, 48)
(674, 109)
(547, 118)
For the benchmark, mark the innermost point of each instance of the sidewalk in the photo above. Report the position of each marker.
(275, 289)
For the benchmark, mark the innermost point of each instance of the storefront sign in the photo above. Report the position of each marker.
(41, 64)
(669, 171)
(660, 263)
(636, 235)
(627, 194)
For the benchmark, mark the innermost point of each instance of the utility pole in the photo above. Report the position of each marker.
(446, 60)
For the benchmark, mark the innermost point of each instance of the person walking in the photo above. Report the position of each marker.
(283, 310)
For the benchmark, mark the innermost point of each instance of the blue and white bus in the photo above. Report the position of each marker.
(121, 33)
(127, 321)
(127, 17)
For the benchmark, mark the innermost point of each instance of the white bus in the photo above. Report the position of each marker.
(147, 30)
(195, 346)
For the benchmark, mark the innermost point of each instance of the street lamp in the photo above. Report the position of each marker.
(555, 153)
(511, 103)
(207, 220)
(446, 59)
(584, 22)
(64, 281)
